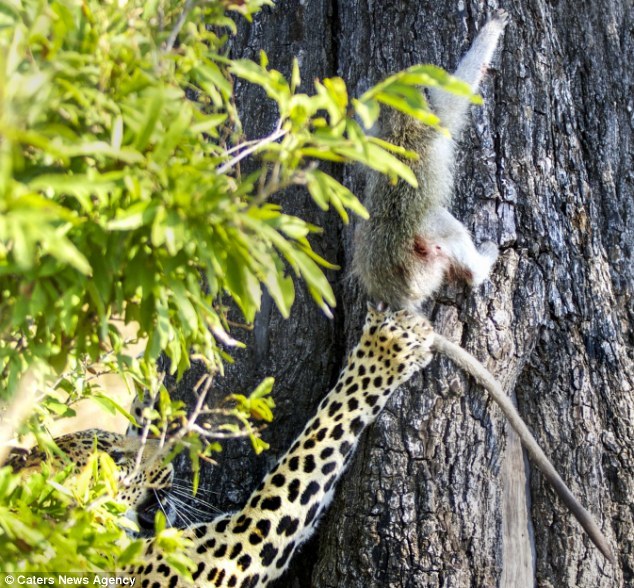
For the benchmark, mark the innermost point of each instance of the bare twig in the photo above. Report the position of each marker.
(201, 388)
(218, 435)
(253, 146)
(237, 325)
(139, 456)
(472, 366)
(242, 145)
(169, 44)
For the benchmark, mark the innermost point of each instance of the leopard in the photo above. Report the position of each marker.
(252, 547)
(137, 483)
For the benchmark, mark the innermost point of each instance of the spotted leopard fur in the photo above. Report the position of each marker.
(152, 473)
(252, 547)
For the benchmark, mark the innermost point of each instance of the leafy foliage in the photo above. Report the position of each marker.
(87, 515)
(121, 200)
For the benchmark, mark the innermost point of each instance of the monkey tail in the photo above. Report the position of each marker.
(471, 365)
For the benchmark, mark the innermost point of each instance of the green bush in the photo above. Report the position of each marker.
(120, 198)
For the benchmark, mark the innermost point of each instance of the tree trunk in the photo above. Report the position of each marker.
(439, 492)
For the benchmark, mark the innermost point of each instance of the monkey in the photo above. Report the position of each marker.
(411, 242)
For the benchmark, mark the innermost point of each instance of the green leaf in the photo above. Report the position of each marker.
(397, 149)
(173, 136)
(208, 124)
(81, 186)
(60, 247)
(325, 189)
(151, 107)
(210, 79)
(131, 553)
(243, 287)
(138, 215)
(57, 407)
(281, 288)
(264, 388)
(112, 406)
(318, 285)
(272, 82)
(295, 76)
(379, 159)
(99, 148)
(368, 112)
(185, 309)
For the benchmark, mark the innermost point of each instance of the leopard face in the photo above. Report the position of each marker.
(137, 483)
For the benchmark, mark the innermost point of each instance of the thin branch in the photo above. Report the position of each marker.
(139, 456)
(274, 136)
(218, 435)
(243, 145)
(169, 44)
(482, 376)
(237, 325)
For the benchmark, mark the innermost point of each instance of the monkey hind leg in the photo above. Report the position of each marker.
(468, 263)
(464, 260)
(453, 109)
(487, 255)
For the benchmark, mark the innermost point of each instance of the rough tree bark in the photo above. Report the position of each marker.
(439, 493)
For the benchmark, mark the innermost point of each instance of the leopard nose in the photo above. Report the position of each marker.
(145, 516)
(146, 512)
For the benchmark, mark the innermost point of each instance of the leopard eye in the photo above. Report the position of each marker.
(117, 456)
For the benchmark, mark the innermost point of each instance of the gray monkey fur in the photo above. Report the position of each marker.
(411, 243)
